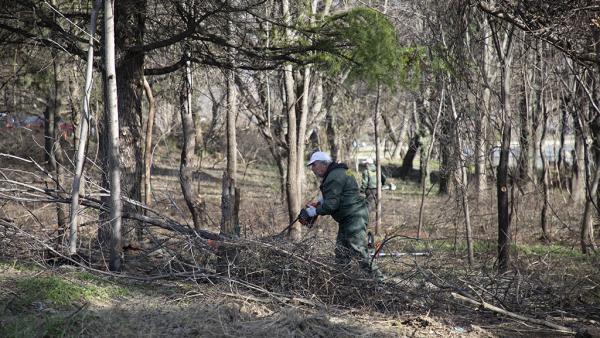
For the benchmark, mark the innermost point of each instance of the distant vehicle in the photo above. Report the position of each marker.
(34, 122)
(7, 121)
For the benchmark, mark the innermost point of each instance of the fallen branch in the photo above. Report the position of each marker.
(496, 309)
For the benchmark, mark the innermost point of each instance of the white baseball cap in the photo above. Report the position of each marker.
(368, 161)
(319, 156)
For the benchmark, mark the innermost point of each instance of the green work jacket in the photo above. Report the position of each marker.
(341, 198)
(369, 178)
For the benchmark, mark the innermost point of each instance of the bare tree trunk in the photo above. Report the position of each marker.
(564, 129)
(445, 141)
(502, 191)
(414, 144)
(302, 125)
(524, 137)
(396, 137)
(116, 248)
(229, 216)
(378, 160)
(578, 170)
(425, 154)
(545, 188)
(130, 16)
(188, 154)
(317, 110)
(588, 244)
(463, 183)
(484, 113)
(74, 95)
(332, 134)
(292, 137)
(148, 143)
(57, 152)
(504, 52)
(83, 134)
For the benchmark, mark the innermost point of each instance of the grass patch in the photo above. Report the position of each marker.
(450, 246)
(18, 266)
(553, 250)
(61, 293)
(65, 325)
(550, 250)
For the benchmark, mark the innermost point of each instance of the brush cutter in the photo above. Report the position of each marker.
(303, 218)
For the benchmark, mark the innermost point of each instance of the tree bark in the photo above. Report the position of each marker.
(545, 189)
(188, 154)
(484, 113)
(229, 217)
(396, 137)
(331, 130)
(302, 126)
(293, 197)
(462, 179)
(578, 169)
(83, 134)
(130, 16)
(332, 134)
(57, 151)
(588, 245)
(148, 143)
(445, 141)
(378, 161)
(504, 52)
(425, 154)
(112, 110)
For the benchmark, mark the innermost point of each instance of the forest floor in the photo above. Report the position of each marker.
(173, 285)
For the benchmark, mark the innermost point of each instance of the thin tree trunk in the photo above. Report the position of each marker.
(463, 184)
(331, 130)
(148, 143)
(229, 217)
(378, 161)
(505, 56)
(302, 125)
(414, 144)
(484, 113)
(524, 119)
(83, 134)
(57, 151)
(188, 154)
(292, 137)
(425, 154)
(588, 245)
(564, 129)
(578, 170)
(396, 138)
(502, 191)
(545, 188)
(114, 171)
(445, 149)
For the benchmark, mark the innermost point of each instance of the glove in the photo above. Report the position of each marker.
(311, 211)
(317, 203)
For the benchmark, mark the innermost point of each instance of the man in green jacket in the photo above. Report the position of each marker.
(341, 199)
(369, 182)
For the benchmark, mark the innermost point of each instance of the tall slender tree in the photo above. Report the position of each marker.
(112, 117)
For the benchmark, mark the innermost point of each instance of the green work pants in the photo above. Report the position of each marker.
(351, 243)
